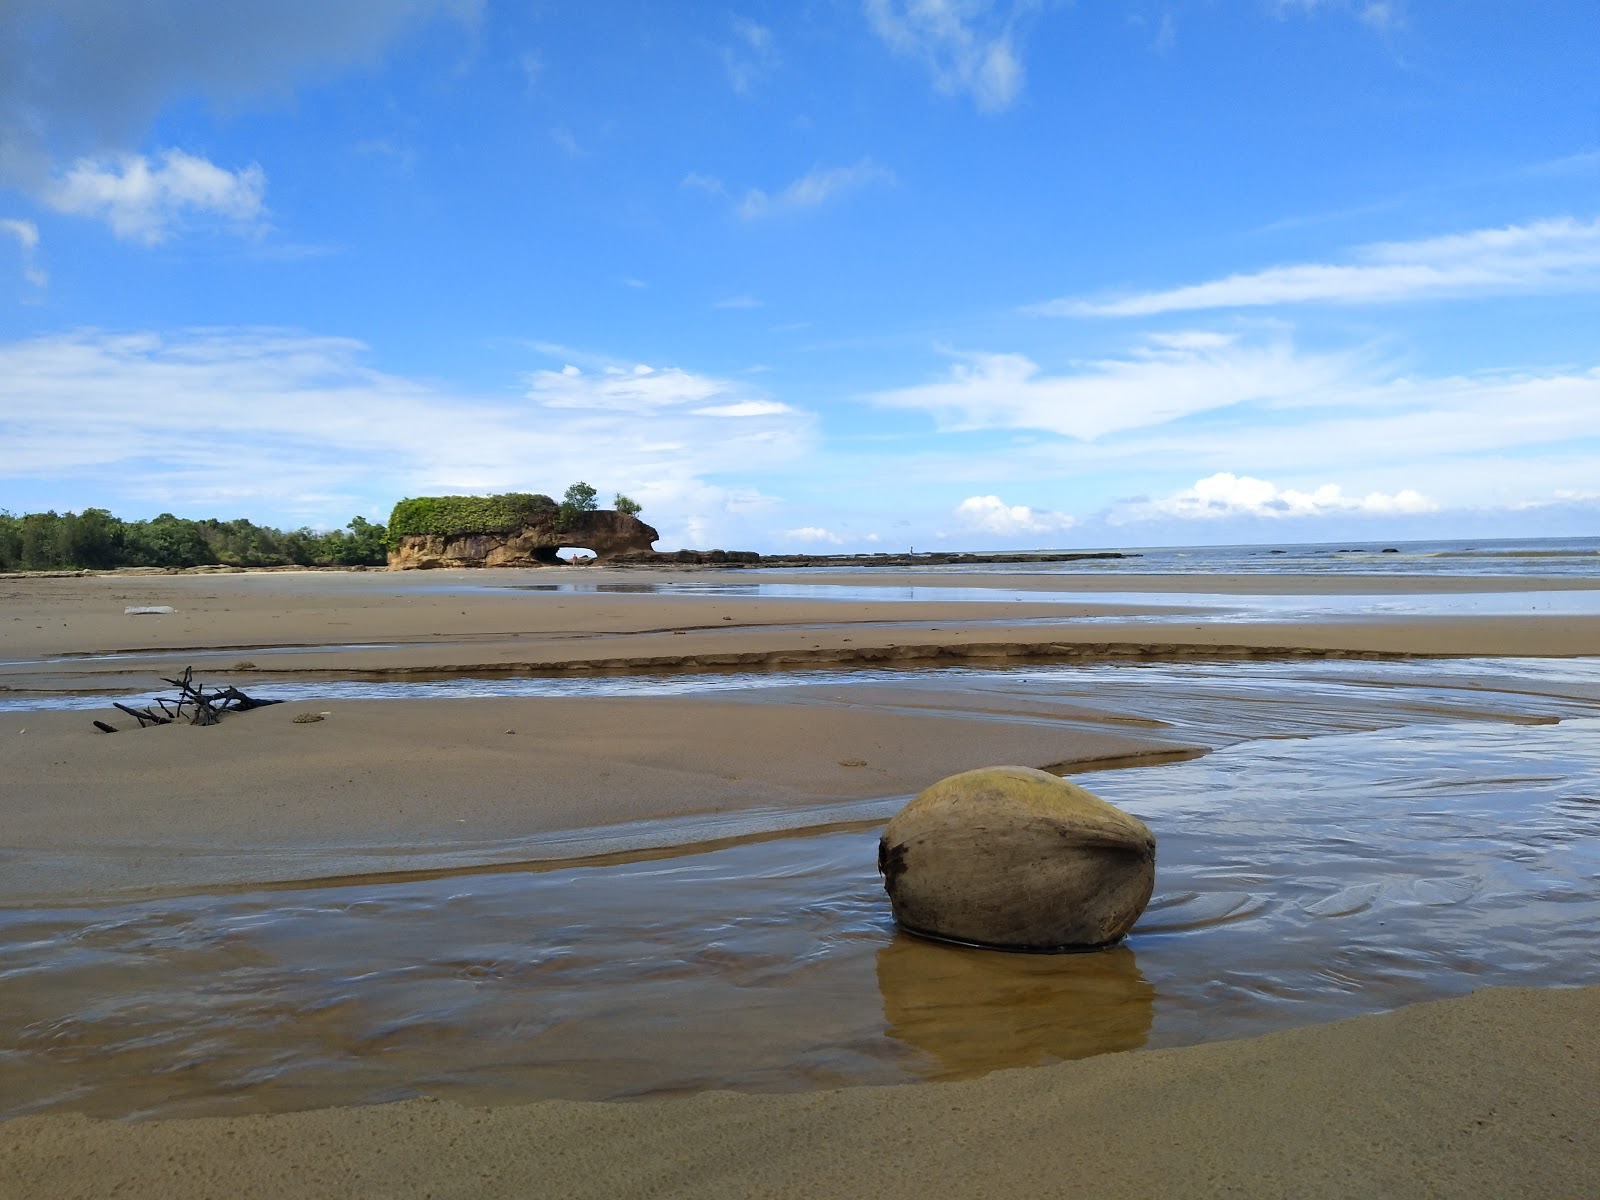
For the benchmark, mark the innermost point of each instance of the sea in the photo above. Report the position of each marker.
(1499, 556)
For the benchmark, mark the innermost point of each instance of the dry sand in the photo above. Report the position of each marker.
(1478, 1097)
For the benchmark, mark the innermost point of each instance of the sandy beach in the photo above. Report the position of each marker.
(1481, 1095)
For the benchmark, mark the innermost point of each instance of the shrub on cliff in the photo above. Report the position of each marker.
(455, 516)
(579, 498)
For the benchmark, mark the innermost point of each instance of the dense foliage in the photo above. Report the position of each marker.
(626, 506)
(453, 516)
(94, 538)
(578, 498)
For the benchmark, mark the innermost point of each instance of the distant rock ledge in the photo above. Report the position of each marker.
(606, 533)
(749, 558)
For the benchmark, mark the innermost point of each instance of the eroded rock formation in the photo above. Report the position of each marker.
(605, 532)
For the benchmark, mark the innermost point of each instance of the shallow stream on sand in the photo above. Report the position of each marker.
(1299, 880)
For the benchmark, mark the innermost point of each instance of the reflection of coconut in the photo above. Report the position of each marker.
(1019, 859)
(975, 1011)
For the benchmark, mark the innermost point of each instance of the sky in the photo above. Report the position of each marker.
(810, 275)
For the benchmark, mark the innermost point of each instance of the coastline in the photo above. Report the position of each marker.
(260, 798)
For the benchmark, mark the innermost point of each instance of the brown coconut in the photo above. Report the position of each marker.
(1017, 859)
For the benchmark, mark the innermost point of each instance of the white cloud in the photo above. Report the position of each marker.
(738, 302)
(27, 235)
(241, 419)
(744, 408)
(1168, 377)
(1225, 495)
(145, 202)
(1552, 255)
(967, 45)
(990, 514)
(811, 189)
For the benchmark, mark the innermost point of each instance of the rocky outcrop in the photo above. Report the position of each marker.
(606, 533)
(1016, 859)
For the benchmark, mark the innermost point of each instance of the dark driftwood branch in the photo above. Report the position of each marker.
(193, 704)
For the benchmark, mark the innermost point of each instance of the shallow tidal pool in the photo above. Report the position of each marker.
(1298, 880)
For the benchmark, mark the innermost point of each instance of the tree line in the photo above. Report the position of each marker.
(95, 539)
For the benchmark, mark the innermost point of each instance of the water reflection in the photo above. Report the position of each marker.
(973, 1011)
(1297, 881)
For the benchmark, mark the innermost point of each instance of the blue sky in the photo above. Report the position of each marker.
(833, 275)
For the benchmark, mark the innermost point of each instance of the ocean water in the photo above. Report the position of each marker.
(1492, 556)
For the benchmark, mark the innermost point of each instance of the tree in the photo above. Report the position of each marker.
(579, 498)
(626, 506)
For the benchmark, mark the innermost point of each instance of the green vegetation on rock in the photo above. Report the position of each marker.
(455, 516)
(578, 498)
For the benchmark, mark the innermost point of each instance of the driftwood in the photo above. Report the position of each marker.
(194, 705)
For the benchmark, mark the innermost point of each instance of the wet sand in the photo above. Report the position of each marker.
(377, 783)
(1486, 1096)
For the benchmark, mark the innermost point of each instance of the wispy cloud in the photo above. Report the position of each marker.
(563, 137)
(1167, 377)
(969, 46)
(695, 181)
(145, 201)
(815, 187)
(1378, 15)
(1552, 255)
(242, 418)
(750, 56)
(737, 302)
(27, 235)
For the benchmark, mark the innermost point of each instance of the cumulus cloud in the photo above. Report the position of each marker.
(990, 514)
(817, 186)
(1559, 254)
(1227, 495)
(27, 236)
(243, 418)
(813, 533)
(1166, 377)
(84, 78)
(145, 201)
(968, 46)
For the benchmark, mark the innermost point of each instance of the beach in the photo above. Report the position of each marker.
(549, 719)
